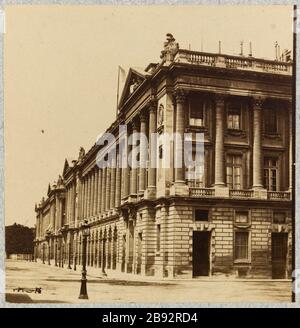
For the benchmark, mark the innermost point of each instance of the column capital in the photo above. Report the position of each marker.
(289, 103)
(258, 102)
(220, 99)
(180, 96)
(152, 104)
(143, 116)
(134, 124)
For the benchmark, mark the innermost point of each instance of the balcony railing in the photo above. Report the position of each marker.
(279, 195)
(201, 192)
(239, 193)
(233, 62)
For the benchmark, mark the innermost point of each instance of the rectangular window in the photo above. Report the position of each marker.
(270, 120)
(234, 116)
(279, 218)
(195, 174)
(234, 171)
(241, 217)
(201, 215)
(197, 111)
(158, 238)
(271, 174)
(241, 243)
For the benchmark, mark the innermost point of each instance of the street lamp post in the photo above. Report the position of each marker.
(55, 252)
(43, 253)
(85, 233)
(49, 253)
(75, 260)
(62, 249)
(33, 254)
(49, 249)
(69, 254)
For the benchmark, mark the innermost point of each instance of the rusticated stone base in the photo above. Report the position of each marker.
(157, 239)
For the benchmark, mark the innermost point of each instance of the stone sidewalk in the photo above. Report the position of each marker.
(61, 285)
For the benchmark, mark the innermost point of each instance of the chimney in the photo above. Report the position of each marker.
(242, 50)
(250, 49)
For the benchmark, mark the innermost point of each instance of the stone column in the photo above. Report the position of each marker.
(180, 126)
(134, 170)
(151, 187)
(78, 203)
(96, 250)
(118, 183)
(103, 190)
(143, 153)
(92, 193)
(89, 194)
(113, 183)
(125, 173)
(99, 191)
(95, 191)
(56, 213)
(67, 204)
(219, 142)
(104, 257)
(257, 143)
(179, 187)
(107, 190)
(72, 203)
(291, 160)
(84, 198)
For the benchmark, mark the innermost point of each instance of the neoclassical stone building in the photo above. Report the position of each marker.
(235, 220)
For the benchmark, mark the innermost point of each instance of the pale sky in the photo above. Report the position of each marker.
(60, 75)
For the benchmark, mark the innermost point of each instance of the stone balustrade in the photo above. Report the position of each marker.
(233, 62)
(238, 193)
(201, 192)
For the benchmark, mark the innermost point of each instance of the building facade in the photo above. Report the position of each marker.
(235, 220)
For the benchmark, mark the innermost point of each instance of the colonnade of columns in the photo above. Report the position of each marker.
(70, 202)
(220, 119)
(103, 189)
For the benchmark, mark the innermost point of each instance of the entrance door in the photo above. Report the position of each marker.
(279, 255)
(201, 249)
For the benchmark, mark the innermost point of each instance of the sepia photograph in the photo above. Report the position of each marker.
(149, 154)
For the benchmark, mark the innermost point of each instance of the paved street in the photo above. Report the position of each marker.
(62, 286)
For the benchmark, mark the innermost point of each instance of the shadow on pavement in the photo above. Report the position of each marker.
(117, 282)
(17, 298)
(24, 298)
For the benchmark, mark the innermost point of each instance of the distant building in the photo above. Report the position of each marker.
(235, 220)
